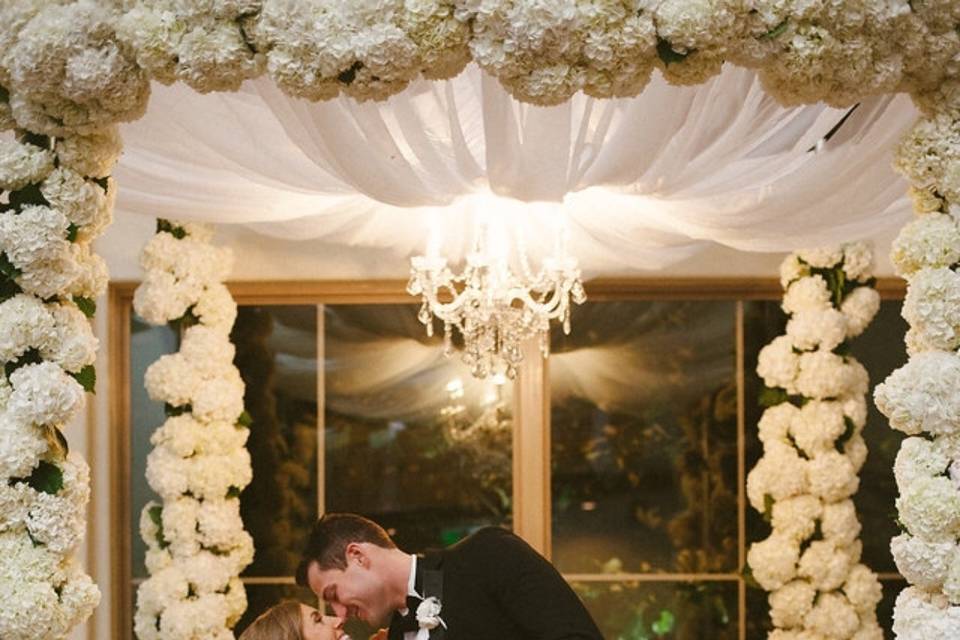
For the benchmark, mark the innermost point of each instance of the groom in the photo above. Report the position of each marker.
(491, 585)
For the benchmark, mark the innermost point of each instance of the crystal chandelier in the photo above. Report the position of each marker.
(493, 306)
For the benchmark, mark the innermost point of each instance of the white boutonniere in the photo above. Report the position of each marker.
(428, 614)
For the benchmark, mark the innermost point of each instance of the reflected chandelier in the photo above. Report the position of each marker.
(493, 307)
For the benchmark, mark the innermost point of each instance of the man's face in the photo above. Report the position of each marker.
(355, 592)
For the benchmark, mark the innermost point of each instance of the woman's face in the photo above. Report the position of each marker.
(317, 626)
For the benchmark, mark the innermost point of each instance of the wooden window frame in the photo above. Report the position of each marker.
(531, 466)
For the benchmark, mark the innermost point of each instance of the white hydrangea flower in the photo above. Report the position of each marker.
(816, 426)
(823, 374)
(792, 269)
(807, 294)
(43, 394)
(774, 561)
(216, 308)
(918, 458)
(932, 307)
(825, 564)
(84, 202)
(790, 603)
(92, 155)
(951, 586)
(25, 323)
(824, 329)
(921, 615)
(863, 589)
(856, 451)
(74, 346)
(921, 395)
(930, 508)
(832, 476)
(219, 523)
(859, 308)
(780, 474)
(775, 422)
(796, 517)
(34, 235)
(21, 447)
(832, 615)
(822, 257)
(777, 364)
(22, 164)
(839, 523)
(929, 242)
(857, 261)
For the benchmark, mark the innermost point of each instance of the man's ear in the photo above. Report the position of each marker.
(355, 553)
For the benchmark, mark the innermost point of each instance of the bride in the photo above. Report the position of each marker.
(291, 620)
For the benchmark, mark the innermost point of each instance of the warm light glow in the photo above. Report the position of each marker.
(497, 301)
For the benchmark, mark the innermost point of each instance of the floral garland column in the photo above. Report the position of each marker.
(197, 544)
(813, 450)
(59, 197)
(922, 398)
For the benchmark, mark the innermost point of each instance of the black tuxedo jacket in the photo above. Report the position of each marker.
(496, 587)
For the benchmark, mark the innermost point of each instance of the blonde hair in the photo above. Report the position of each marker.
(280, 622)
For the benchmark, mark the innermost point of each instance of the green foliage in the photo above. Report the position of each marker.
(170, 410)
(245, 419)
(31, 356)
(176, 231)
(87, 305)
(45, 478)
(156, 516)
(72, 231)
(846, 435)
(775, 32)
(666, 53)
(768, 508)
(87, 377)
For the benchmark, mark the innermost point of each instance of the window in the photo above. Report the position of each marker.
(623, 457)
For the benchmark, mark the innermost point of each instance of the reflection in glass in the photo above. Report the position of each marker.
(662, 610)
(413, 441)
(261, 597)
(147, 344)
(277, 358)
(643, 415)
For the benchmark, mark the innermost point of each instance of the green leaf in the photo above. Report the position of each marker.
(87, 377)
(233, 492)
(45, 478)
(87, 305)
(776, 31)
(8, 269)
(36, 139)
(245, 419)
(4, 94)
(664, 624)
(103, 183)
(185, 321)
(348, 76)
(748, 578)
(72, 232)
(29, 195)
(58, 442)
(771, 396)
(844, 438)
(31, 356)
(156, 516)
(768, 508)
(666, 53)
(170, 410)
(176, 231)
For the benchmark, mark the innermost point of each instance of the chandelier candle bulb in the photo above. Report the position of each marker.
(491, 306)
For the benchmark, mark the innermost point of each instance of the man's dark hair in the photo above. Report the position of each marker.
(327, 544)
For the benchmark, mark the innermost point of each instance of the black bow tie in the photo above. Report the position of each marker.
(408, 622)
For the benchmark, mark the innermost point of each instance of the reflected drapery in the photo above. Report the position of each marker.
(641, 182)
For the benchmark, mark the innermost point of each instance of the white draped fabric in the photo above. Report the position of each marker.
(639, 183)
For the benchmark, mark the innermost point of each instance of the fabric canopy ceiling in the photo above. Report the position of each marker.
(639, 183)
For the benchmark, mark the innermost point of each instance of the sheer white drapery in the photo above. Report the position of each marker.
(640, 182)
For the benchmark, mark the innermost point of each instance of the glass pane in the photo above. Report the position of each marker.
(147, 344)
(644, 445)
(881, 350)
(662, 610)
(277, 358)
(413, 441)
(261, 597)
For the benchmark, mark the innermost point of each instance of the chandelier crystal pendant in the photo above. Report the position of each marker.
(494, 307)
